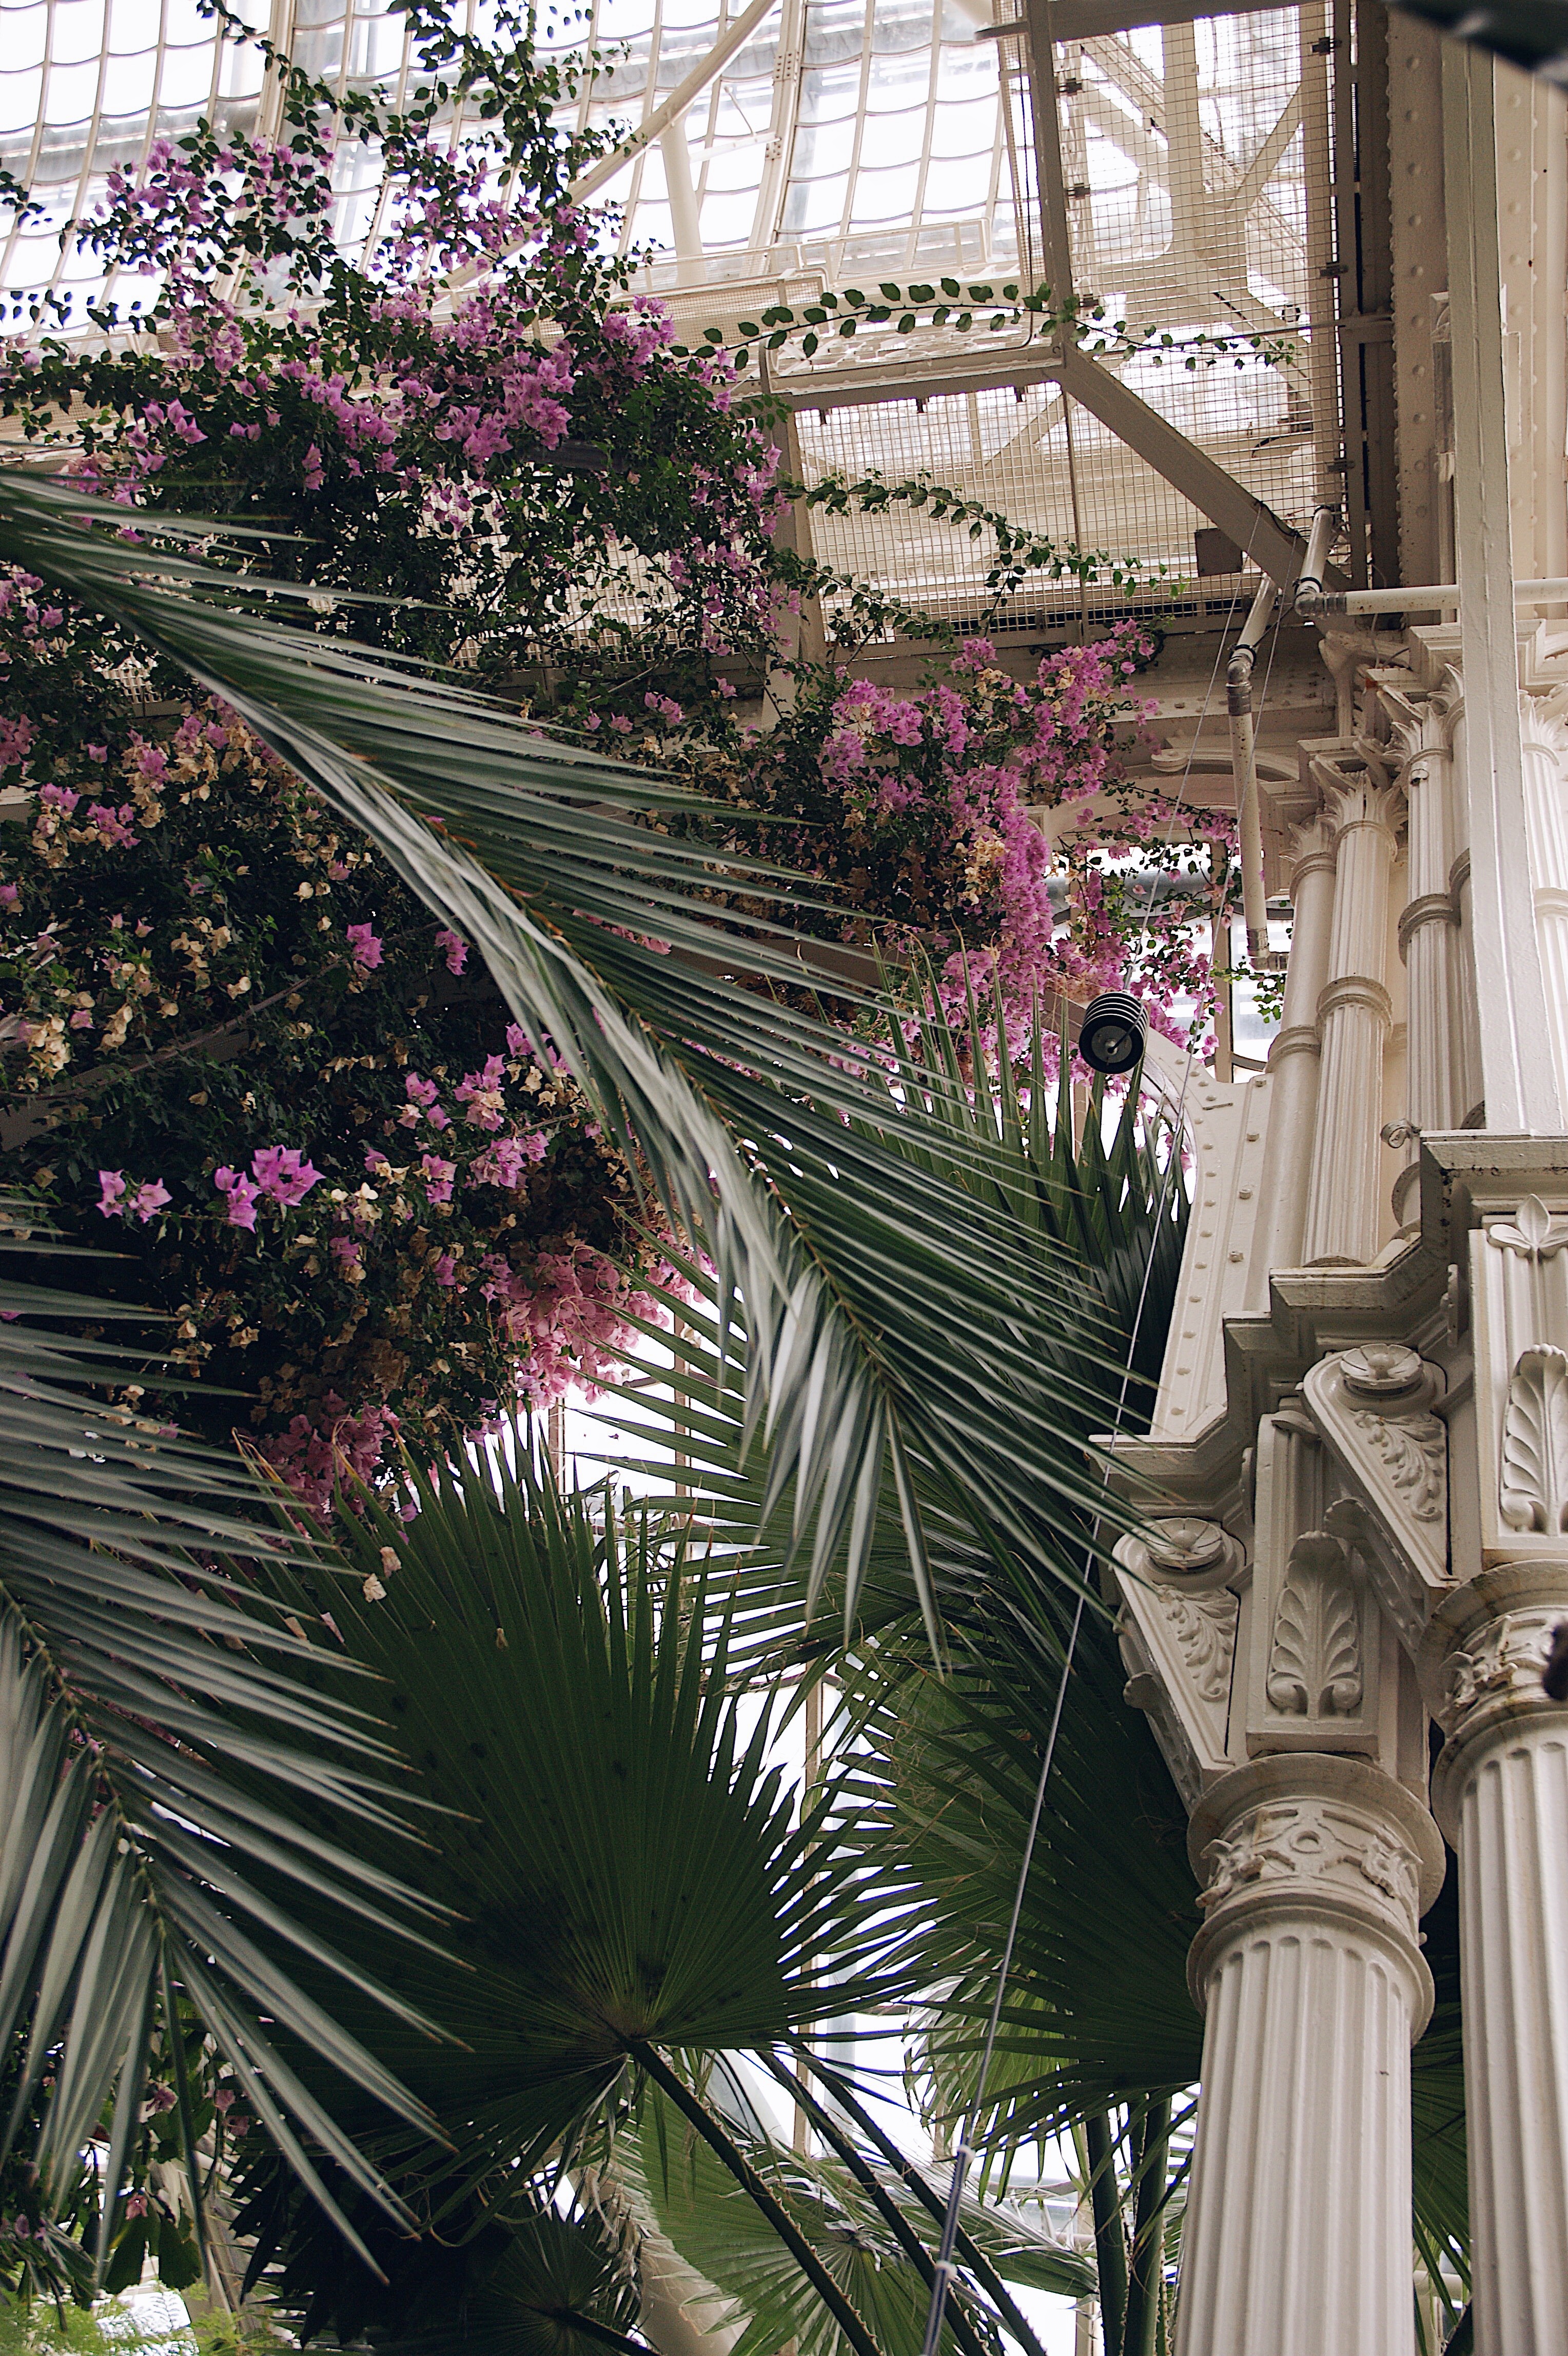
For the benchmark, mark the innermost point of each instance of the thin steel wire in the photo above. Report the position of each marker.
(945, 2266)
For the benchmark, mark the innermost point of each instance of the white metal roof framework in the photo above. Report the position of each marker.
(1182, 175)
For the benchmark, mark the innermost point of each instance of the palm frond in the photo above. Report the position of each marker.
(679, 2189)
(631, 1874)
(135, 1680)
(899, 1323)
(1120, 1208)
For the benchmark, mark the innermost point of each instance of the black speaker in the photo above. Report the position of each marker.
(1114, 1030)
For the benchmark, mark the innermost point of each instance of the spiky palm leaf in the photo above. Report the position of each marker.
(677, 2185)
(897, 1327)
(133, 1680)
(1122, 1206)
(632, 1878)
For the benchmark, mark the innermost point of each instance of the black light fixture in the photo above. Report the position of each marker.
(1114, 1032)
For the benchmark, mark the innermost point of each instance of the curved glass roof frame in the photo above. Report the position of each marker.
(843, 142)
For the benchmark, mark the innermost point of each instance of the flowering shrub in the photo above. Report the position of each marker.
(233, 1044)
(503, 446)
(994, 825)
(238, 1051)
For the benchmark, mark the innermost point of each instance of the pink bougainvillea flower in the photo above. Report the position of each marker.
(368, 949)
(242, 1196)
(148, 1200)
(480, 1094)
(282, 1171)
(438, 1175)
(503, 1163)
(112, 1193)
(455, 946)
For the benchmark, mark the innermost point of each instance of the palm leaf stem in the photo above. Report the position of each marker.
(751, 2183)
(572, 2319)
(887, 2208)
(974, 2258)
(1110, 2248)
(1144, 2271)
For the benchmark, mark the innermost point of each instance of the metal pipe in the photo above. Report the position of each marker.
(1434, 595)
(1307, 594)
(1244, 766)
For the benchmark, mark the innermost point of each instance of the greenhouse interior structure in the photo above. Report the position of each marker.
(784, 898)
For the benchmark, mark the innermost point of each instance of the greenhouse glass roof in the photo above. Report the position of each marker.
(818, 143)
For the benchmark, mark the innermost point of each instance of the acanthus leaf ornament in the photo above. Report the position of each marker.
(1204, 1631)
(1314, 1661)
(1415, 1450)
(1374, 1408)
(1533, 1489)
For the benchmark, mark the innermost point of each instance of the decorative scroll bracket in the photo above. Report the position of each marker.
(1177, 1629)
(1373, 1408)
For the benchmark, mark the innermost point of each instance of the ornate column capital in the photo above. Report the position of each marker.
(1310, 849)
(1480, 1664)
(1356, 798)
(1317, 1837)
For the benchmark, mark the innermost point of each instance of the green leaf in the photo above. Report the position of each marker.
(887, 1300)
(626, 1865)
(152, 1733)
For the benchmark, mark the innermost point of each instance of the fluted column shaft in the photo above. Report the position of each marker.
(1501, 1790)
(1546, 820)
(1293, 1057)
(1429, 941)
(1297, 2234)
(1354, 1017)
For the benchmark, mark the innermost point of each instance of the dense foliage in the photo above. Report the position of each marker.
(230, 1032)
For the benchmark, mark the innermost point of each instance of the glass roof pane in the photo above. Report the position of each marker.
(841, 143)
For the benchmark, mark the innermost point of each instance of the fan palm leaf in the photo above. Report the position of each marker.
(137, 1685)
(632, 1877)
(897, 1327)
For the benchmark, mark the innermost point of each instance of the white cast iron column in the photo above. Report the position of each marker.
(1354, 1014)
(1500, 1791)
(1429, 937)
(1294, 1056)
(1308, 1970)
(1544, 744)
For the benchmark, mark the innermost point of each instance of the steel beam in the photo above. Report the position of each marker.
(679, 100)
(1093, 20)
(1213, 492)
(1251, 524)
(1517, 1060)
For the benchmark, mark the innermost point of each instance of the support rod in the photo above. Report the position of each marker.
(1244, 762)
(1431, 594)
(1307, 592)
